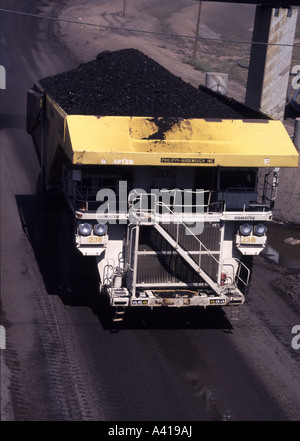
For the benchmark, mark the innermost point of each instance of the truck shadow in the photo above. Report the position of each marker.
(87, 290)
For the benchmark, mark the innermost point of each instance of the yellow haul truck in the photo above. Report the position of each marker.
(171, 209)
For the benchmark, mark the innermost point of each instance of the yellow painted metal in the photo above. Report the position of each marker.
(195, 142)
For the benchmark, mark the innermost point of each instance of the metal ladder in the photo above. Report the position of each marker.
(235, 313)
(119, 314)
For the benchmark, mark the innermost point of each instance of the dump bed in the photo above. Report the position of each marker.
(96, 115)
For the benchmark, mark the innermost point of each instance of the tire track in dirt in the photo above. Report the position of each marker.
(69, 397)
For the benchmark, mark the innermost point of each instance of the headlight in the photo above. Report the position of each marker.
(260, 229)
(85, 229)
(100, 229)
(245, 229)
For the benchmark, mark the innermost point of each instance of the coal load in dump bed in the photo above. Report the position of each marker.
(128, 83)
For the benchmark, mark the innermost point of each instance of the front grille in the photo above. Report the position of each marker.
(158, 262)
(210, 237)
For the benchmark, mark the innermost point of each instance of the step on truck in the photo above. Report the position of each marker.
(171, 209)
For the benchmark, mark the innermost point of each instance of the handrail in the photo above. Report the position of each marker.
(239, 271)
(240, 263)
(177, 207)
(191, 233)
(183, 223)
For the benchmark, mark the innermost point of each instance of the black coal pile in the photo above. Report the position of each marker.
(128, 83)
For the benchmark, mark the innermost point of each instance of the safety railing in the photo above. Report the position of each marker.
(164, 202)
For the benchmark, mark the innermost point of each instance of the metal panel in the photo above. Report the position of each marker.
(210, 237)
(158, 262)
(171, 268)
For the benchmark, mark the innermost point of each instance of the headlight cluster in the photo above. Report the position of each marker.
(258, 229)
(245, 229)
(86, 229)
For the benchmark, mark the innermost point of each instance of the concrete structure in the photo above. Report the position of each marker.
(270, 64)
(217, 81)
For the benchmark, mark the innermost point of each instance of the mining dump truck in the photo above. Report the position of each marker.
(168, 188)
